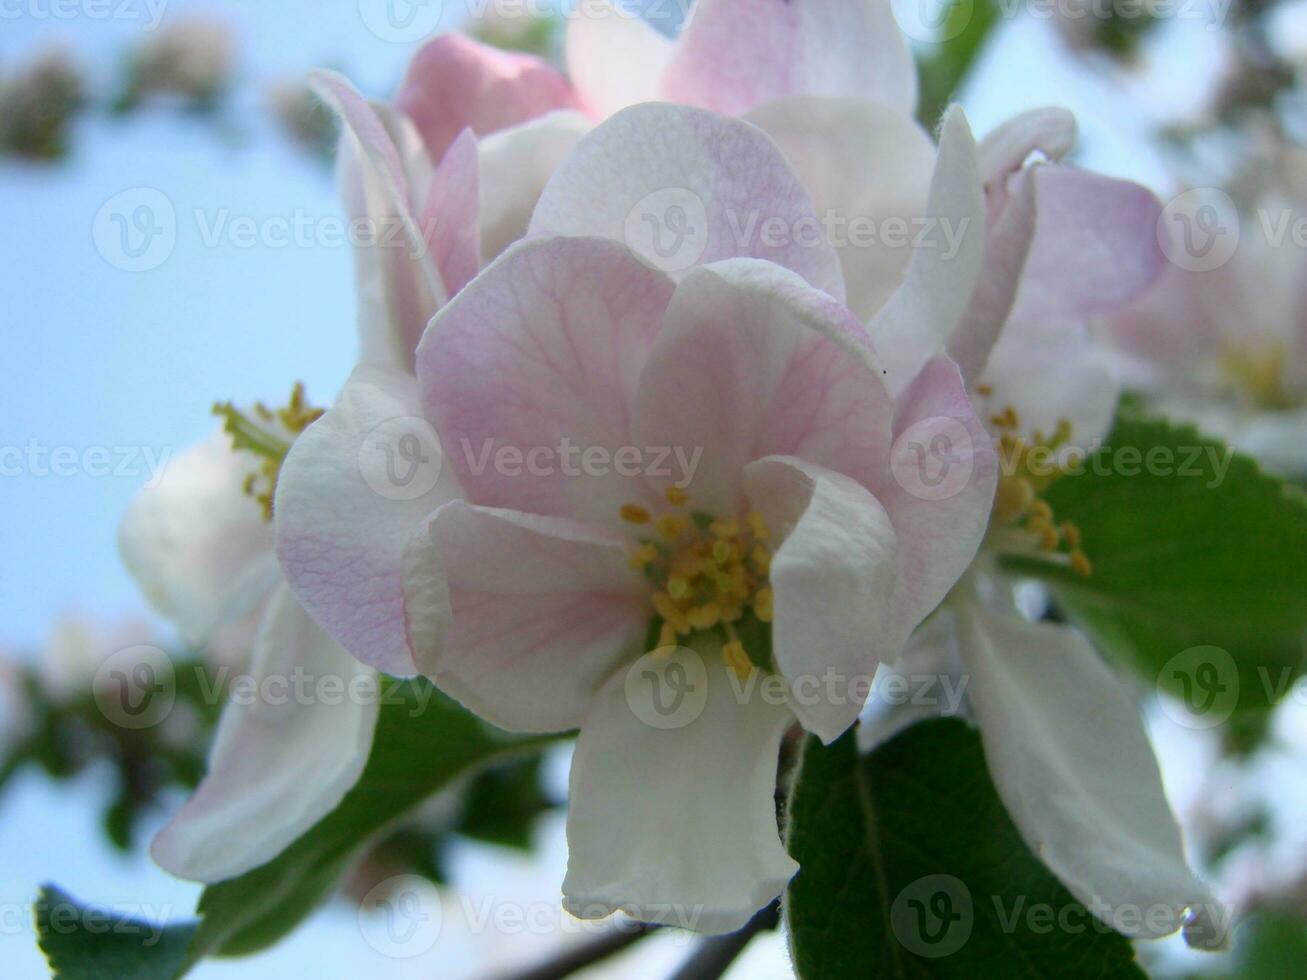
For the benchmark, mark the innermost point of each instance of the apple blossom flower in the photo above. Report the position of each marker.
(78, 648)
(516, 593)
(200, 545)
(1063, 737)
(192, 58)
(529, 596)
(1224, 344)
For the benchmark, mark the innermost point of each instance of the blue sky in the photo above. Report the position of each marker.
(94, 356)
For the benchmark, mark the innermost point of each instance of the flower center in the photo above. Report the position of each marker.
(1259, 374)
(1028, 466)
(267, 433)
(708, 575)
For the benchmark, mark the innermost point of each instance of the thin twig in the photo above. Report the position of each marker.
(715, 956)
(585, 954)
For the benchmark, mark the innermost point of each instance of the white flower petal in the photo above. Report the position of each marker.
(522, 617)
(866, 167)
(516, 163)
(919, 317)
(736, 54)
(355, 487)
(200, 549)
(614, 57)
(678, 824)
(276, 769)
(833, 574)
(1068, 753)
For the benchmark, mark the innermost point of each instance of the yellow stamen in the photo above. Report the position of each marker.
(737, 659)
(671, 526)
(676, 496)
(643, 556)
(1080, 564)
(724, 529)
(762, 604)
(634, 514)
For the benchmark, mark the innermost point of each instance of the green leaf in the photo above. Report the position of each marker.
(943, 65)
(424, 741)
(502, 803)
(85, 943)
(911, 867)
(1198, 548)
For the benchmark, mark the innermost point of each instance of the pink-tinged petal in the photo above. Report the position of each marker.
(354, 488)
(516, 163)
(614, 57)
(280, 763)
(383, 170)
(534, 615)
(1171, 327)
(754, 362)
(940, 491)
(1010, 228)
(1070, 758)
(868, 170)
(676, 824)
(683, 187)
(736, 54)
(450, 220)
(200, 550)
(833, 582)
(1103, 230)
(1050, 131)
(1008, 237)
(456, 83)
(918, 318)
(1050, 371)
(529, 376)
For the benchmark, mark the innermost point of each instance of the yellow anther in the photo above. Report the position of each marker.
(267, 434)
(737, 659)
(1041, 510)
(1014, 498)
(670, 612)
(1071, 533)
(707, 573)
(689, 564)
(643, 556)
(725, 530)
(634, 514)
(671, 526)
(704, 617)
(985, 390)
(1080, 564)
